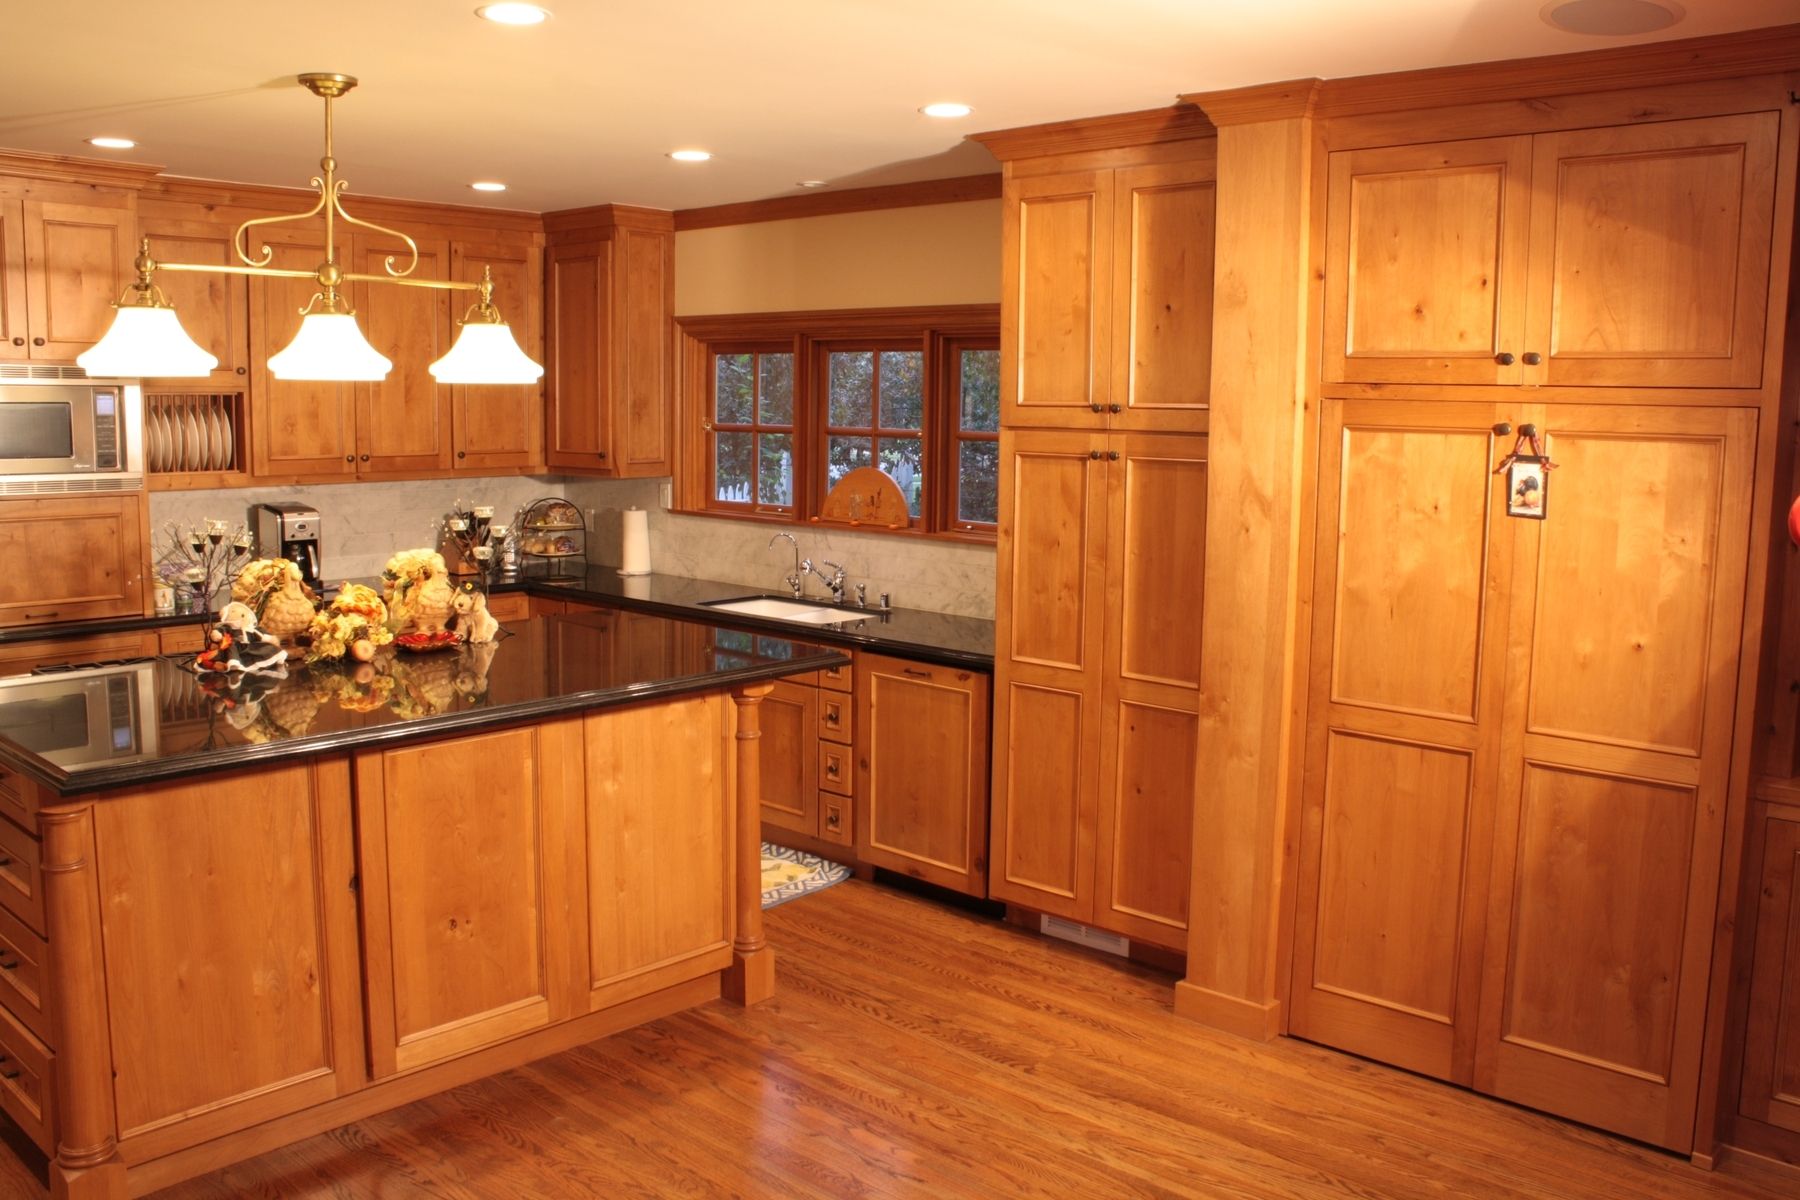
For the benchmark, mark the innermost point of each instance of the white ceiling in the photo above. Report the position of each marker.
(582, 110)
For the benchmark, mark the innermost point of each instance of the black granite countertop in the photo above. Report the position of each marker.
(910, 633)
(108, 728)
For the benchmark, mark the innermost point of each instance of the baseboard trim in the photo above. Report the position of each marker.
(1232, 1014)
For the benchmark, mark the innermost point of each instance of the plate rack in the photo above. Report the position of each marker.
(195, 439)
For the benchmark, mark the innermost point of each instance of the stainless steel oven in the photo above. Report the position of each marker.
(70, 435)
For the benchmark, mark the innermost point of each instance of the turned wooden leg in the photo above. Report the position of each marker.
(751, 977)
(87, 1164)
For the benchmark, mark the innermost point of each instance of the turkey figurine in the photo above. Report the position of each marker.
(420, 599)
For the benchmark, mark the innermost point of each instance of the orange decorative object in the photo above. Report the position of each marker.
(1794, 521)
(866, 496)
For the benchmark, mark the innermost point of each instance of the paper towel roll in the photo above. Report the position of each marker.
(634, 542)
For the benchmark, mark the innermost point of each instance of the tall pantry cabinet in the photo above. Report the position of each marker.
(1105, 348)
(1515, 799)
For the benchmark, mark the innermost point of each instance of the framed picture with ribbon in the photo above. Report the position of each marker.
(1527, 487)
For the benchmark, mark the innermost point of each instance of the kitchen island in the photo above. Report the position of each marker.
(232, 918)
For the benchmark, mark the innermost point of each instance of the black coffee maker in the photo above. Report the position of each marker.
(290, 531)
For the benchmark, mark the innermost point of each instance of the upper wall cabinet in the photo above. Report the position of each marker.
(1627, 257)
(1106, 321)
(609, 303)
(403, 421)
(303, 428)
(61, 267)
(500, 427)
(214, 309)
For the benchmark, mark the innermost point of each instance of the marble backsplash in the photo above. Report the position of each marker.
(365, 523)
(949, 577)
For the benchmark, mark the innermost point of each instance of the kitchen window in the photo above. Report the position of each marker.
(776, 408)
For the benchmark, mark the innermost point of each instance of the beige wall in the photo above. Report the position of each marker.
(932, 254)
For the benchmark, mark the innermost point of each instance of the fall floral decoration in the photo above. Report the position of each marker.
(354, 623)
(416, 587)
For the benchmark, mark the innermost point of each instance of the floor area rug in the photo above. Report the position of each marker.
(789, 874)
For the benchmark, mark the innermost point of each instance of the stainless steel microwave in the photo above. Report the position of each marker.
(69, 435)
(93, 717)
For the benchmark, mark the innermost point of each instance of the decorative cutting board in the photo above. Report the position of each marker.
(866, 496)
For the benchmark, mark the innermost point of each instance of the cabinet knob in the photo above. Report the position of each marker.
(1115, 408)
(1097, 407)
(461, 454)
(349, 458)
(601, 454)
(37, 341)
(1504, 358)
(1094, 454)
(1112, 456)
(240, 370)
(18, 341)
(365, 458)
(1532, 358)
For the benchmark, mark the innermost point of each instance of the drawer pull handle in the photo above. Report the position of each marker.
(5, 862)
(9, 1074)
(915, 671)
(55, 612)
(8, 963)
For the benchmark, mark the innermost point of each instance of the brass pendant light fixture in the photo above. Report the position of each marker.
(146, 339)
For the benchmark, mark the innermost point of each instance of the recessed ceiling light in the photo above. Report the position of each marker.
(112, 143)
(1611, 18)
(947, 109)
(513, 14)
(488, 185)
(690, 155)
(811, 183)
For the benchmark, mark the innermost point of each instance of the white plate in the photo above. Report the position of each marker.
(152, 444)
(165, 445)
(230, 449)
(195, 458)
(215, 443)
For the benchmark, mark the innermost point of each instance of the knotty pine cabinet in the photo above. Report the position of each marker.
(1769, 1092)
(609, 304)
(301, 429)
(214, 309)
(1102, 541)
(86, 556)
(922, 770)
(62, 265)
(1609, 257)
(500, 427)
(1106, 321)
(809, 746)
(1517, 750)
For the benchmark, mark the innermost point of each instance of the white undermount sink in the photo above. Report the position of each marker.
(783, 610)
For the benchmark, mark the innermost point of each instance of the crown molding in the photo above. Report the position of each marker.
(1655, 64)
(63, 168)
(1293, 98)
(572, 224)
(1176, 123)
(849, 200)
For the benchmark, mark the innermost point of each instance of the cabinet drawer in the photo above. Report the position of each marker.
(834, 818)
(836, 679)
(509, 606)
(26, 1082)
(180, 639)
(24, 974)
(18, 797)
(22, 658)
(834, 768)
(834, 717)
(21, 887)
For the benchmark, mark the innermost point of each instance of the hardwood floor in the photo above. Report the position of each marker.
(915, 1051)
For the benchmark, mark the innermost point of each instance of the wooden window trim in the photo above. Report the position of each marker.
(947, 354)
(930, 328)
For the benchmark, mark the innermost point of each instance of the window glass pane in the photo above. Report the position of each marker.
(731, 466)
(845, 454)
(902, 389)
(775, 469)
(777, 400)
(978, 482)
(981, 391)
(852, 374)
(732, 384)
(901, 459)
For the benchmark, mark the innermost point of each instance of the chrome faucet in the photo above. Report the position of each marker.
(834, 581)
(798, 577)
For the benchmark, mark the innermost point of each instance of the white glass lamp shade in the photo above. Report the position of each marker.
(485, 352)
(329, 346)
(146, 341)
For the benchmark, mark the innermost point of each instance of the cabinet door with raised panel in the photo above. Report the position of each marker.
(1056, 312)
(1425, 259)
(302, 428)
(77, 261)
(1150, 697)
(577, 324)
(922, 771)
(1047, 658)
(1771, 1079)
(214, 309)
(403, 421)
(1408, 636)
(1621, 691)
(643, 352)
(15, 339)
(790, 758)
(1650, 253)
(85, 556)
(463, 868)
(1162, 296)
(500, 427)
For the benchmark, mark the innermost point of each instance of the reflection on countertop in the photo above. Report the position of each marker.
(144, 722)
